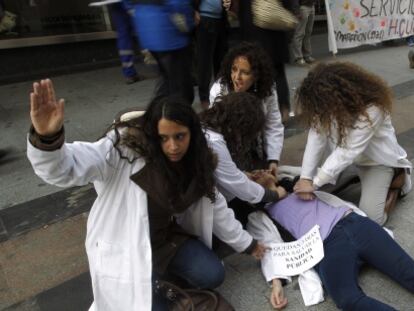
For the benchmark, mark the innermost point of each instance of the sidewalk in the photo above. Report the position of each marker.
(42, 260)
(93, 98)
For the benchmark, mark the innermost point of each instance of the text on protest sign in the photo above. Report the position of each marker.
(293, 258)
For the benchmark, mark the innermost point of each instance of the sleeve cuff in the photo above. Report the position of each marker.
(269, 196)
(47, 143)
(251, 247)
(321, 179)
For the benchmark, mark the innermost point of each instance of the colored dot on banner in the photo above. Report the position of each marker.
(351, 26)
(356, 12)
(342, 18)
(346, 5)
(383, 23)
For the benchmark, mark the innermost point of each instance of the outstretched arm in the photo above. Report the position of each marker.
(57, 163)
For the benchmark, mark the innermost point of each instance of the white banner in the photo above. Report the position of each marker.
(356, 22)
(293, 258)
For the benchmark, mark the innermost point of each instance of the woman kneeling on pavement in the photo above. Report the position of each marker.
(232, 126)
(247, 68)
(155, 195)
(348, 110)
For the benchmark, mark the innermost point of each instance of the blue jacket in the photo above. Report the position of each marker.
(163, 25)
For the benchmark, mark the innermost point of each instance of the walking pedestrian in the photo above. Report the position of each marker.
(301, 43)
(164, 28)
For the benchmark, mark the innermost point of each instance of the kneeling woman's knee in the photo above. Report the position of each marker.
(216, 276)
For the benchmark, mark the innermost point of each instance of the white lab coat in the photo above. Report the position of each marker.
(117, 241)
(376, 142)
(273, 130)
(231, 181)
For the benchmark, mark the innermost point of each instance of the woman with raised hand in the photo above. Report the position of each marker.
(232, 125)
(156, 207)
(348, 110)
(247, 68)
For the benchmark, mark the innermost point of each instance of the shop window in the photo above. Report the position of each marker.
(36, 18)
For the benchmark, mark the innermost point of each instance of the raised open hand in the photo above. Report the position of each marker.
(45, 111)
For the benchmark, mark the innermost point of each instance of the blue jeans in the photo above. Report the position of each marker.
(195, 263)
(353, 241)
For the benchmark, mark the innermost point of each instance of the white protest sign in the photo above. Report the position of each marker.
(356, 22)
(293, 258)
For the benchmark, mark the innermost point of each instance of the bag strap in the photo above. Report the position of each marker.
(171, 292)
(206, 292)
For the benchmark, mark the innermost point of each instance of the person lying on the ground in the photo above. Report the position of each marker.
(157, 206)
(348, 111)
(349, 240)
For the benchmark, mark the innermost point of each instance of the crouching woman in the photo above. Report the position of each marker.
(156, 207)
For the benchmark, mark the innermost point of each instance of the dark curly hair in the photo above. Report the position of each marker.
(239, 117)
(340, 92)
(261, 65)
(141, 136)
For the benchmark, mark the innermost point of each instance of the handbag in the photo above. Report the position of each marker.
(270, 14)
(192, 299)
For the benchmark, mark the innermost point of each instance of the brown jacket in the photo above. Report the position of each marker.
(166, 235)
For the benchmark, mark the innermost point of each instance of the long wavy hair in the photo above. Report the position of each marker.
(260, 63)
(339, 94)
(239, 117)
(141, 136)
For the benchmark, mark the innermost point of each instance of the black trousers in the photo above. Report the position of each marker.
(175, 74)
(282, 87)
(211, 47)
(275, 43)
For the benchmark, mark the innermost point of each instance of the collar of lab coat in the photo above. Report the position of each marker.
(154, 183)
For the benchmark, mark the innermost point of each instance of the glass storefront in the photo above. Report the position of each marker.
(41, 22)
(25, 21)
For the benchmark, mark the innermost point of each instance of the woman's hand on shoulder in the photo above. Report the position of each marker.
(264, 178)
(268, 181)
(304, 189)
(277, 296)
(46, 113)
